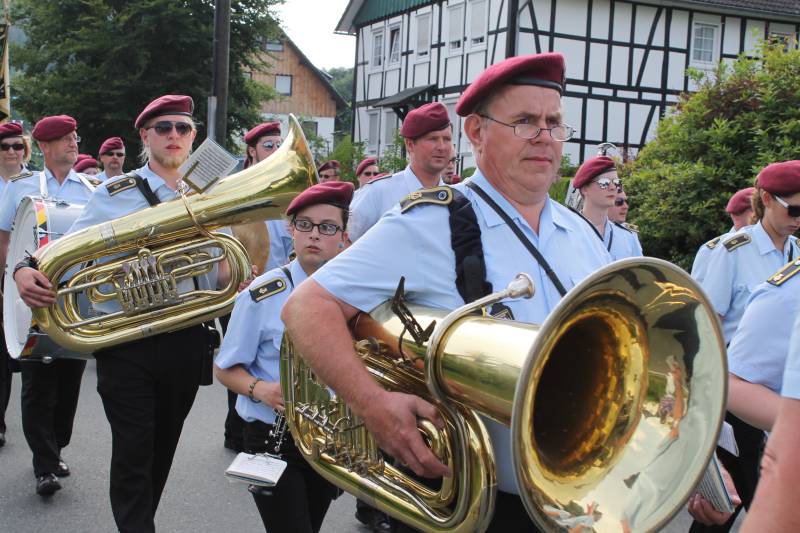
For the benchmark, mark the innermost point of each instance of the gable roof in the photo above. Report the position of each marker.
(322, 76)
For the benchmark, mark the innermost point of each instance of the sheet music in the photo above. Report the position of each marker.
(712, 488)
(257, 469)
(727, 441)
(207, 165)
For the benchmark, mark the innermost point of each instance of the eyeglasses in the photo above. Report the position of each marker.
(604, 183)
(792, 210)
(164, 127)
(619, 202)
(560, 133)
(325, 228)
(16, 146)
(269, 145)
(69, 139)
(329, 174)
(115, 154)
(369, 173)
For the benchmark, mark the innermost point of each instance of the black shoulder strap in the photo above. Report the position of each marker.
(586, 220)
(145, 189)
(465, 238)
(288, 275)
(521, 236)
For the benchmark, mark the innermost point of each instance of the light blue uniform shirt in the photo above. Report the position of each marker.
(102, 176)
(732, 275)
(253, 338)
(73, 190)
(378, 197)
(280, 243)
(700, 264)
(791, 374)
(759, 347)
(416, 244)
(620, 241)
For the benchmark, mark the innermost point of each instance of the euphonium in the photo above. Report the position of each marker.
(614, 403)
(139, 259)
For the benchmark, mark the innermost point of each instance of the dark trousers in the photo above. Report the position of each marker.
(234, 425)
(49, 401)
(744, 469)
(147, 388)
(5, 381)
(299, 501)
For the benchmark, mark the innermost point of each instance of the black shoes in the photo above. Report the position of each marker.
(63, 469)
(47, 484)
(373, 519)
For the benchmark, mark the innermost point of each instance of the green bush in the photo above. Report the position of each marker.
(558, 191)
(714, 142)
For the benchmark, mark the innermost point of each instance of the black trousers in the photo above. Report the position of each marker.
(234, 425)
(6, 365)
(49, 401)
(744, 470)
(299, 501)
(147, 388)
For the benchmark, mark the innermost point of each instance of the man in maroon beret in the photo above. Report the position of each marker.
(49, 391)
(366, 170)
(262, 141)
(88, 166)
(452, 245)
(450, 169)
(428, 137)
(330, 171)
(112, 155)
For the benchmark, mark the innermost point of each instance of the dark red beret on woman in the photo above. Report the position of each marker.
(591, 168)
(327, 165)
(10, 129)
(368, 162)
(86, 162)
(337, 193)
(780, 179)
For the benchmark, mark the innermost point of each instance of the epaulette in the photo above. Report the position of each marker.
(630, 227)
(787, 271)
(713, 242)
(736, 241)
(267, 289)
(21, 175)
(122, 184)
(94, 181)
(434, 195)
(381, 178)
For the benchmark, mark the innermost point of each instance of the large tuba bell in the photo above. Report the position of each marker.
(614, 403)
(139, 260)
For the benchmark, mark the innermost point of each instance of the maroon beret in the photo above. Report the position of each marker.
(86, 162)
(368, 162)
(591, 168)
(112, 143)
(54, 127)
(169, 104)
(10, 129)
(781, 179)
(81, 157)
(425, 119)
(544, 70)
(740, 201)
(267, 128)
(455, 178)
(338, 193)
(327, 165)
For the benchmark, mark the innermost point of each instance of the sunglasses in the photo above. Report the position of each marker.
(115, 154)
(16, 146)
(269, 145)
(325, 228)
(792, 210)
(604, 183)
(619, 202)
(369, 174)
(164, 127)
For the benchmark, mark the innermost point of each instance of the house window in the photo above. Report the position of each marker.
(310, 128)
(390, 126)
(783, 40)
(377, 49)
(274, 45)
(704, 43)
(477, 24)
(455, 28)
(283, 84)
(372, 140)
(394, 45)
(423, 35)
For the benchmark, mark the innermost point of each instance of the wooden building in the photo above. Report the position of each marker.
(627, 60)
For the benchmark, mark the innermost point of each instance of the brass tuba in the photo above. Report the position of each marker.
(138, 260)
(614, 403)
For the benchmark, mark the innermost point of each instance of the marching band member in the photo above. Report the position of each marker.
(366, 170)
(248, 361)
(329, 171)
(147, 386)
(49, 391)
(428, 137)
(112, 155)
(513, 118)
(88, 166)
(619, 211)
(598, 183)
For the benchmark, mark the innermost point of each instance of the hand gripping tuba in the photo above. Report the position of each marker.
(138, 260)
(614, 404)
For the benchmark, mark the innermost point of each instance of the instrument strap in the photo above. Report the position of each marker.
(145, 189)
(288, 275)
(86, 182)
(521, 236)
(43, 184)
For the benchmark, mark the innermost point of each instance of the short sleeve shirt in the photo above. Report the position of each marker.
(791, 374)
(621, 242)
(280, 243)
(700, 264)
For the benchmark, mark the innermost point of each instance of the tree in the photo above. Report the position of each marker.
(715, 141)
(102, 61)
(349, 154)
(343, 83)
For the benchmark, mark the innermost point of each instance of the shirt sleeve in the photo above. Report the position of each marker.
(363, 213)
(8, 209)
(98, 209)
(244, 332)
(718, 280)
(791, 374)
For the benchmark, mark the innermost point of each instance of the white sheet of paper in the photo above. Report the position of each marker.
(258, 469)
(727, 441)
(207, 165)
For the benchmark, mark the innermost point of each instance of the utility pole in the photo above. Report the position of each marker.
(218, 103)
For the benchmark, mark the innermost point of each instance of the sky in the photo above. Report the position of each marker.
(310, 24)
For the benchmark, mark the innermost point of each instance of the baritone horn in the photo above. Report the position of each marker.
(138, 261)
(614, 404)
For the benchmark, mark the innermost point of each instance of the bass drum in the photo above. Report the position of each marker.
(37, 222)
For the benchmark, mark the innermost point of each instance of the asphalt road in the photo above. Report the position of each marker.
(197, 496)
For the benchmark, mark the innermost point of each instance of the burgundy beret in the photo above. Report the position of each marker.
(267, 128)
(781, 179)
(368, 162)
(10, 129)
(591, 168)
(169, 104)
(327, 165)
(338, 193)
(81, 157)
(425, 119)
(86, 162)
(54, 127)
(112, 143)
(455, 178)
(544, 70)
(740, 201)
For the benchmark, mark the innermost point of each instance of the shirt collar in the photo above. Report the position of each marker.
(154, 180)
(762, 240)
(414, 182)
(71, 176)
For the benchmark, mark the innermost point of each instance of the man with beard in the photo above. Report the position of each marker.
(49, 391)
(147, 386)
(112, 155)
